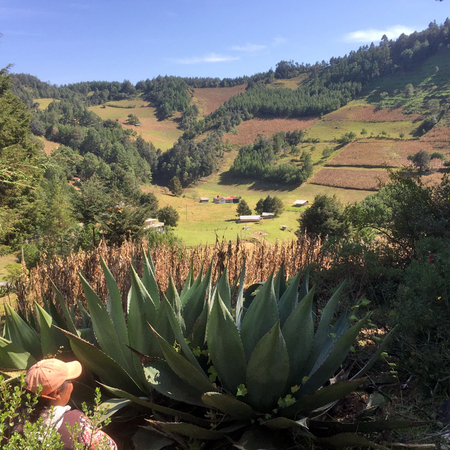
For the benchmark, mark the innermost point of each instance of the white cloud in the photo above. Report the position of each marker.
(372, 35)
(211, 58)
(279, 40)
(248, 47)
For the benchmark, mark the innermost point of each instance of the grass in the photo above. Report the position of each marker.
(44, 102)
(8, 298)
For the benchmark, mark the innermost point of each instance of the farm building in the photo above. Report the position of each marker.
(300, 203)
(249, 219)
(221, 200)
(154, 225)
(204, 199)
(267, 215)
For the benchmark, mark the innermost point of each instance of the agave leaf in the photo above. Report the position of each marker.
(187, 292)
(225, 346)
(56, 316)
(336, 331)
(164, 380)
(184, 368)
(350, 440)
(195, 303)
(186, 429)
(279, 283)
(51, 339)
(283, 423)
(337, 355)
(223, 286)
(149, 279)
(14, 357)
(146, 438)
(174, 299)
(109, 371)
(260, 317)
(298, 332)
(22, 334)
(267, 370)
(323, 329)
(178, 334)
(198, 334)
(187, 283)
(387, 339)
(156, 407)
(228, 405)
(240, 299)
(141, 311)
(304, 288)
(114, 305)
(104, 329)
(289, 300)
(112, 406)
(321, 397)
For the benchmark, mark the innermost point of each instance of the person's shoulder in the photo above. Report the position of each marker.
(72, 416)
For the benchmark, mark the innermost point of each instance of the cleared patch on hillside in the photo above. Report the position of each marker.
(369, 113)
(209, 99)
(439, 135)
(376, 153)
(44, 102)
(249, 130)
(49, 146)
(163, 133)
(364, 179)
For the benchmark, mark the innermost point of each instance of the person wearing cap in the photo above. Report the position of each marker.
(52, 379)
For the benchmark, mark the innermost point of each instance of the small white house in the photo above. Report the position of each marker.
(154, 225)
(204, 199)
(267, 215)
(300, 203)
(243, 219)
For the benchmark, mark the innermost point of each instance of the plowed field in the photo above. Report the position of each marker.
(249, 130)
(367, 113)
(209, 99)
(376, 153)
(364, 179)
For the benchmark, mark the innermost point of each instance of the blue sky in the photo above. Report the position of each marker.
(64, 41)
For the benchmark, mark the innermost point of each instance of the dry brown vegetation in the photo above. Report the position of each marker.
(249, 130)
(260, 260)
(377, 153)
(209, 99)
(364, 179)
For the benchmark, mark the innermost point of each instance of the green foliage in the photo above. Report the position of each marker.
(243, 209)
(13, 272)
(347, 138)
(175, 186)
(324, 217)
(421, 160)
(132, 119)
(269, 204)
(169, 215)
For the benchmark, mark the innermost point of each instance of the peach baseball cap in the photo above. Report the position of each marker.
(51, 374)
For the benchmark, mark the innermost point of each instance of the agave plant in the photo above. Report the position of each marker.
(225, 371)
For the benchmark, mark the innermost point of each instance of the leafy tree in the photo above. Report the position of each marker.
(169, 215)
(269, 204)
(132, 119)
(175, 186)
(409, 90)
(323, 218)
(421, 160)
(243, 209)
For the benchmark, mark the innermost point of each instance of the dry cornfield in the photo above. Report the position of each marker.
(260, 260)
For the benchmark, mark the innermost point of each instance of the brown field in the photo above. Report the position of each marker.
(365, 179)
(49, 146)
(367, 113)
(209, 99)
(376, 153)
(250, 129)
(438, 135)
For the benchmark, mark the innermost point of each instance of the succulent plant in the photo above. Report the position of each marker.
(228, 361)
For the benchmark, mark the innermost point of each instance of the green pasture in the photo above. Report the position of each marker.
(141, 109)
(44, 102)
(329, 130)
